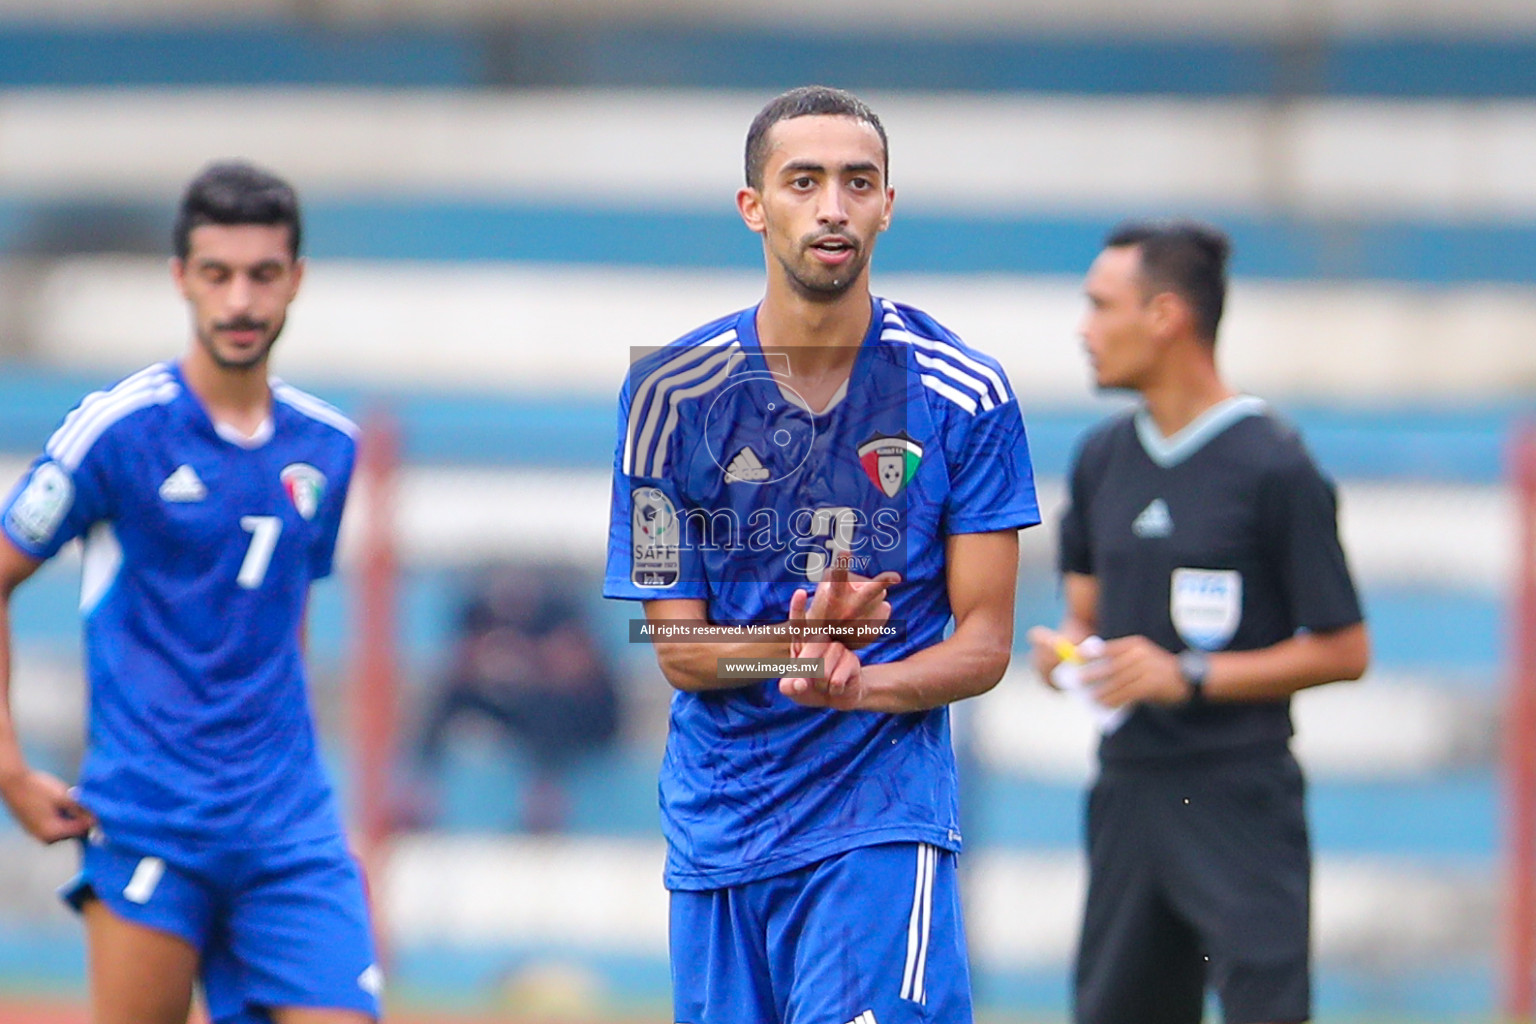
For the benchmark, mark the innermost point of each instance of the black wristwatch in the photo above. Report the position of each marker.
(1195, 667)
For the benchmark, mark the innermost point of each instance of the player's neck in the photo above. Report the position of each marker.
(820, 336)
(820, 340)
(1182, 391)
(239, 398)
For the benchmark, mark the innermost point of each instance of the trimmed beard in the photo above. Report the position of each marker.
(827, 290)
(247, 364)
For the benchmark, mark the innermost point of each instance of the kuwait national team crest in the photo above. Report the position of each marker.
(305, 486)
(890, 461)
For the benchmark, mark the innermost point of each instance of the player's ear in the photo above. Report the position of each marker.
(749, 203)
(890, 207)
(298, 275)
(179, 274)
(1168, 314)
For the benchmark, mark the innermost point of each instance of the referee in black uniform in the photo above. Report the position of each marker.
(1201, 542)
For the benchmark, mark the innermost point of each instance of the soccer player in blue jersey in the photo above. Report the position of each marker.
(207, 496)
(821, 459)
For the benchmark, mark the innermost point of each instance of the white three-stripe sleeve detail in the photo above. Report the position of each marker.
(73, 440)
(93, 402)
(314, 408)
(994, 387)
(670, 374)
(734, 358)
(660, 377)
(950, 392)
(664, 395)
(80, 419)
(951, 371)
(95, 399)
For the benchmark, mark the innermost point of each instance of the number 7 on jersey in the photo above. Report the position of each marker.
(264, 531)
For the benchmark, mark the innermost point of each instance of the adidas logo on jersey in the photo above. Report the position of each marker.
(746, 468)
(867, 1017)
(183, 485)
(1154, 520)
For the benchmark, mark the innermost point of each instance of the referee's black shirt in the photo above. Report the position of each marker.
(1228, 527)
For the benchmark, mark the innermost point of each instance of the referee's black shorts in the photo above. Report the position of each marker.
(1199, 874)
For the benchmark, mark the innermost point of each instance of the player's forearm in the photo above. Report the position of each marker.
(967, 664)
(1273, 673)
(695, 667)
(13, 764)
(980, 576)
(15, 568)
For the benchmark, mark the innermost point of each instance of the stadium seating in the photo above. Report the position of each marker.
(490, 187)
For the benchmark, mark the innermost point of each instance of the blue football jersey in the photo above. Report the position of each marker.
(729, 489)
(199, 551)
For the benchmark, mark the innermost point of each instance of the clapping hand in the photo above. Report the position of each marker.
(842, 596)
(843, 684)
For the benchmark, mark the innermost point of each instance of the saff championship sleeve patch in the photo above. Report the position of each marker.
(655, 560)
(40, 508)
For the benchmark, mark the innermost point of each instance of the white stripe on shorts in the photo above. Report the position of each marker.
(145, 877)
(913, 987)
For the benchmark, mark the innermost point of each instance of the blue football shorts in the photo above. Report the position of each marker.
(871, 936)
(274, 926)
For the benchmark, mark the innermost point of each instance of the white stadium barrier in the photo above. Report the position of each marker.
(682, 149)
(513, 327)
(606, 895)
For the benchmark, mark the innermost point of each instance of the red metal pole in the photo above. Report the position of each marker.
(1520, 748)
(375, 684)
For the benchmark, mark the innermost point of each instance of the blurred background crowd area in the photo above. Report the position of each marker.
(503, 196)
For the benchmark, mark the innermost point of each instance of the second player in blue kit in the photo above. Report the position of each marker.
(208, 498)
(824, 456)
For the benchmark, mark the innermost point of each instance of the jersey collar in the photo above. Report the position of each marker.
(224, 432)
(757, 363)
(262, 436)
(1170, 451)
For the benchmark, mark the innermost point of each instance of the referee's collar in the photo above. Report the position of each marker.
(1170, 451)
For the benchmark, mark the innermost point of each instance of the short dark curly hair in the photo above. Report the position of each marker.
(236, 192)
(806, 101)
